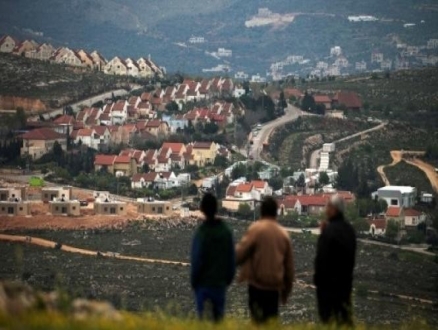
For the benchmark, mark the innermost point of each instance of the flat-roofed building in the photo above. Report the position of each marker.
(65, 207)
(14, 208)
(109, 207)
(154, 207)
(7, 193)
(50, 193)
(401, 196)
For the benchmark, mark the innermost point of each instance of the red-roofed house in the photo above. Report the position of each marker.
(203, 153)
(413, 218)
(119, 112)
(324, 100)
(157, 127)
(64, 124)
(38, 142)
(350, 100)
(143, 180)
(88, 137)
(125, 166)
(377, 226)
(262, 188)
(104, 163)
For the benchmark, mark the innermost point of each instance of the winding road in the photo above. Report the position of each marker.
(313, 163)
(399, 155)
(291, 114)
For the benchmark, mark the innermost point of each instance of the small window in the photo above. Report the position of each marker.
(21, 209)
(167, 207)
(3, 208)
(394, 202)
(121, 209)
(153, 208)
(105, 209)
(73, 208)
(56, 208)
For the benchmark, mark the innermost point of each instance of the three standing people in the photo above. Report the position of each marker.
(265, 255)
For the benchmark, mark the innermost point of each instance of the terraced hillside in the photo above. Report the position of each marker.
(383, 275)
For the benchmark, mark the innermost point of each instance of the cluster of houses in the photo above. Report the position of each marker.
(143, 67)
(337, 64)
(160, 163)
(401, 201)
(61, 202)
(241, 191)
(347, 100)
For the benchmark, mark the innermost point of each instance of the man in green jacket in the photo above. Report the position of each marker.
(212, 260)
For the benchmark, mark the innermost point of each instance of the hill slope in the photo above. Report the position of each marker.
(136, 28)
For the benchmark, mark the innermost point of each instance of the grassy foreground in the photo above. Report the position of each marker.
(58, 321)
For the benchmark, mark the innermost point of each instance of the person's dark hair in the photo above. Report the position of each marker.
(209, 206)
(268, 208)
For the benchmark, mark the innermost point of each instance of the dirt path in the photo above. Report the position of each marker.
(50, 244)
(398, 156)
(315, 154)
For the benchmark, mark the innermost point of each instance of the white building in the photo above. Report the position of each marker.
(196, 40)
(432, 44)
(223, 52)
(336, 51)
(361, 66)
(401, 196)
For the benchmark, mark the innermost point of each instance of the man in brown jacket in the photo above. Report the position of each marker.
(266, 256)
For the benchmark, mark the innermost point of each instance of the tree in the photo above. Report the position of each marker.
(391, 229)
(276, 182)
(244, 210)
(308, 102)
(172, 106)
(282, 101)
(324, 178)
(221, 161)
(20, 117)
(238, 171)
(301, 182)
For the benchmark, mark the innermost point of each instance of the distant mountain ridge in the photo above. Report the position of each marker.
(162, 28)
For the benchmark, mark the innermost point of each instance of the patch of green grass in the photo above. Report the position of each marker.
(52, 321)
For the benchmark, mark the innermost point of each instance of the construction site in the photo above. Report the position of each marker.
(26, 207)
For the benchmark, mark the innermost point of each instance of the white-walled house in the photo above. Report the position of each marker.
(116, 66)
(166, 180)
(119, 112)
(7, 44)
(133, 67)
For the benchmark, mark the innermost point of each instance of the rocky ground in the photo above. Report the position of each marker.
(384, 277)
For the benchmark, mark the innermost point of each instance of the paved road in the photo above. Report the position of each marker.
(86, 102)
(315, 154)
(292, 113)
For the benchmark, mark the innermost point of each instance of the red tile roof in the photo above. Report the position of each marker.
(119, 106)
(322, 99)
(122, 160)
(174, 146)
(85, 132)
(393, 211)
(42, 134)
(64, 120)
(153, 123)
(313, 200)
(350, 99)
(379, 223)
(412, 213)
(258, 184)
(104, 160)
(244, 187)
(202, 145)
(148, 177)
(231, 190)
